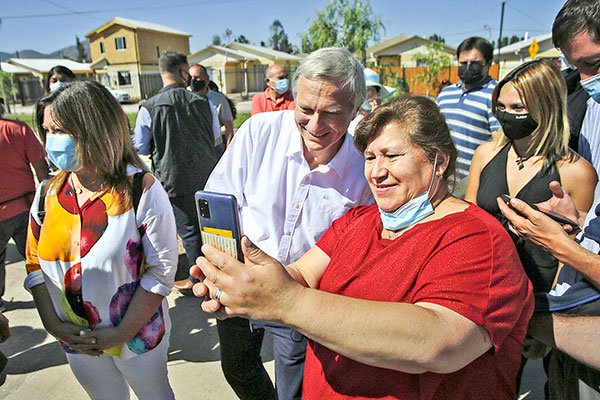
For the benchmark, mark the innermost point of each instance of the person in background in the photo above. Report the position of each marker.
(376, 92)
(420, 296)
(277, 96)
(20, 150)
(102, 248)
(467, 105)
(57, 77)
(295, 172)
(199, 85)
(175, 127)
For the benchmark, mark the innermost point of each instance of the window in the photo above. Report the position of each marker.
(102, 47)
(124, 78)
(120, 43)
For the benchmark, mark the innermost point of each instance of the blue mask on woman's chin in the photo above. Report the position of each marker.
(60, 149)
(410, 212)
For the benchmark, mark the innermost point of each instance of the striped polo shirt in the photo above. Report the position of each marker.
(469, 116)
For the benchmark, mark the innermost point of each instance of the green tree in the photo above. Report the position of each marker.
(227, 36)
(435, 59)
(242, 39)
(216, 40)
(81, 56)
(278, 39)
(8, 89)
(437, 38)
(344, 23)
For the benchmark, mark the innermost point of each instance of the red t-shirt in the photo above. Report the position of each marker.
(465, 262)
(19, 147)
(261, 102)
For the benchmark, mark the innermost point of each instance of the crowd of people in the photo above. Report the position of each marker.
(395, 247)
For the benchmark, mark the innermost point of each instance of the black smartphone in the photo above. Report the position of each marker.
(561, 219)
(219, 222)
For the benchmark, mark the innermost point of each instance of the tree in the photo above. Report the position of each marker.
(242, 39)
(278, 39)
(437, 38)
(8, 89)
(435, 58)
(343, 23)
(81, 56)
(216, 40)
(514, 39)
(227, 35)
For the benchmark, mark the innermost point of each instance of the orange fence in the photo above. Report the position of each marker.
(397, 76)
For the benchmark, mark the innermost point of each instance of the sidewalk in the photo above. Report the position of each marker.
(37, 368)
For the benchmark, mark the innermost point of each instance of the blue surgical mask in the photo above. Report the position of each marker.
(56, 85)
(282, 85)
(592, 87)
(410, 212)
(60, 149)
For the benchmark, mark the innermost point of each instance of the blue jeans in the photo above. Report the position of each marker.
(15, 228)
(186, 220)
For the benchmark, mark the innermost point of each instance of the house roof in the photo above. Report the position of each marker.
(524, 44)
(396, 40)
(242, 52)
(13, 69)
(135, 24)
(264, 52)
(43, 65)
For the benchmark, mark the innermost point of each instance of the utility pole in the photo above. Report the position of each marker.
(500, 36)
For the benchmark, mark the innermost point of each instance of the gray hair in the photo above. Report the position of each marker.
(337, 64)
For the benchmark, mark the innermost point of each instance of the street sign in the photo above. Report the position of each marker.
(534, 47)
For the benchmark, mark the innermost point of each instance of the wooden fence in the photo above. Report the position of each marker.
(405, 78)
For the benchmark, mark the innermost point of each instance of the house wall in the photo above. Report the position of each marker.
(111, 54)
(152, 44)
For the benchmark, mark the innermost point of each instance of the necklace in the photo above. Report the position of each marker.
(520, 161)
(78, 187)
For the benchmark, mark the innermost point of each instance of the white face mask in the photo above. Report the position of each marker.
(56, 85)
(413, 210)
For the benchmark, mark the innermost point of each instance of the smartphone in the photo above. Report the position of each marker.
(561, 219)
(219, 222)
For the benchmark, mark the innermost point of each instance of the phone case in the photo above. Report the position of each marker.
(219, 222)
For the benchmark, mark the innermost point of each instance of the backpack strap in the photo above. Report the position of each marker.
(138, 188)
(42, 200)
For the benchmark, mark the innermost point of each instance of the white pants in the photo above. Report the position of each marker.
(109, 378)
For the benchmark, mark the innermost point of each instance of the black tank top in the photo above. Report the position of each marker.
(539, 265)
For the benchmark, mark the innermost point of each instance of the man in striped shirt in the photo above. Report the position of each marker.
(467, 104)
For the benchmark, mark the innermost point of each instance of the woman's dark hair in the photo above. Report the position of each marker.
(62, 70)
(419, 119)
(477, 43)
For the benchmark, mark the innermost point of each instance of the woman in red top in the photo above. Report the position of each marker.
(421, 296)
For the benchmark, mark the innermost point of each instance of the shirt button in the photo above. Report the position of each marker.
(288, 232)
(296, 206)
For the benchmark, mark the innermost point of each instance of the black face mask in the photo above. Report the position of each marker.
(471, 73)
(198, 85)
(516, 126)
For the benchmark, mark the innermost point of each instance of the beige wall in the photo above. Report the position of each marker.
(112, 55)
(150, 40)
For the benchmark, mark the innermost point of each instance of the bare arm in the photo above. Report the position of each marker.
(41, 169)
(228, 131)
(480, 158)
(543, 231)
(576, 336)
(413, 338)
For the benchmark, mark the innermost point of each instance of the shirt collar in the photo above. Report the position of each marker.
(296, 150)
(481, 85)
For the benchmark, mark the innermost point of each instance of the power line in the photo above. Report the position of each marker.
(472, 18)
(531, 18)
(68, 9)
(121, 9)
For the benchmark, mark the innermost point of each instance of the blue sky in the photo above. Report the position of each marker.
(34, 24)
